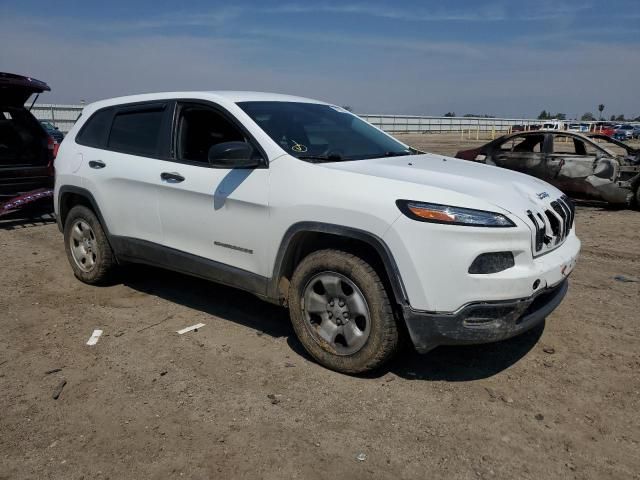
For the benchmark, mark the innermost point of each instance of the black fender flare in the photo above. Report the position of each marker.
(67, 189)
(381, 248)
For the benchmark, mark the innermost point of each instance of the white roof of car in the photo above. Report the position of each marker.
(222, 96)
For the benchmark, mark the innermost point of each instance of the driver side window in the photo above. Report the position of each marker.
(199, 129)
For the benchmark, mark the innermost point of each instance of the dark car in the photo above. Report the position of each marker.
(53, 131)
(26, 149)
(593, 166)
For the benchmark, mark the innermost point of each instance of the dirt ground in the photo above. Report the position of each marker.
(239, 399)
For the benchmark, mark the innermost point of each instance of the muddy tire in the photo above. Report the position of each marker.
(88, 250)
(341, 312)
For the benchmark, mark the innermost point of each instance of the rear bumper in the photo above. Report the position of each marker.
(482, 322)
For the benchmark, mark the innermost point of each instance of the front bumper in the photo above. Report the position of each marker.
(482, 322)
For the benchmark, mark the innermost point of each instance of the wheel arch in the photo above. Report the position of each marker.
(303, 238)
(70, 196)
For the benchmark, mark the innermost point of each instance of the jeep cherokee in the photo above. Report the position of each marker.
(306, 205)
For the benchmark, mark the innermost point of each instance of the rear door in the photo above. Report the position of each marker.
(216, 214)
(119, 162)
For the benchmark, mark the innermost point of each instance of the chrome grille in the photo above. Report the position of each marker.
(552, 225)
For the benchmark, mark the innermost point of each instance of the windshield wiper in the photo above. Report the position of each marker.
(397, 154)
(322, 158)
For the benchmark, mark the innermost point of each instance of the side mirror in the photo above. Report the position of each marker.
(232, 155)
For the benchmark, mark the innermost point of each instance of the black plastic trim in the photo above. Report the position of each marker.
(506, 319)
(373, 240)
(141, 251)
(65, 189)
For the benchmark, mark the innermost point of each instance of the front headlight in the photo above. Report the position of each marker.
(436, 213)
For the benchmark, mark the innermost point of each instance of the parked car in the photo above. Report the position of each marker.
(306, 205)
(525, 128)
(53, 131)
(624, 130)
(578, 127)
(576, 164)
(26, 150)
(605, 128)
(620, 135)
(636, 131)
(555, 125)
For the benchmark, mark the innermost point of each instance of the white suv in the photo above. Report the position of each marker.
(306, 205)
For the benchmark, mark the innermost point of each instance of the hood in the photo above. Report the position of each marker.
(512, 191)
(15, 90)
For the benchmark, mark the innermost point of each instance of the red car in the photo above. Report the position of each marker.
(604, 128)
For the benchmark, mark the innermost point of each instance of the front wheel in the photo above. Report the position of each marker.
(341, 312)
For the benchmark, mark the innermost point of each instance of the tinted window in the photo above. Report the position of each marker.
(94, 132)
(136, 131)
(199, 129)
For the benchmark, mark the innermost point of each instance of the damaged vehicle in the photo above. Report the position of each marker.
(27, 151)
(593, 166)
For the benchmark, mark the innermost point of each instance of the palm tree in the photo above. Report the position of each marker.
(601, 109)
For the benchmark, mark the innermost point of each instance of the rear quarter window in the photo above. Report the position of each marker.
(95, 130)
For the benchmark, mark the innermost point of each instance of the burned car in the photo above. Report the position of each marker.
(592, 166)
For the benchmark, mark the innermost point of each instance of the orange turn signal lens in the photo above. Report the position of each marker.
(429, 214)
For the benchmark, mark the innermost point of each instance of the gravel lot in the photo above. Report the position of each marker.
(239, 398)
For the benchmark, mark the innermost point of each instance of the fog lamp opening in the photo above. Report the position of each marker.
(494, 262)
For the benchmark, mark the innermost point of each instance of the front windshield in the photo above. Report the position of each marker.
(315, 132)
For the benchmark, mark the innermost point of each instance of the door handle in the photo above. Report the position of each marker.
(171, 177)
(97, 164)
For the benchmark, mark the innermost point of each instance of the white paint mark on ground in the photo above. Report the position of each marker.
(188, 329)
(94, 337)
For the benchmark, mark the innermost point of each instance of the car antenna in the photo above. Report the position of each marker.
(34, 101)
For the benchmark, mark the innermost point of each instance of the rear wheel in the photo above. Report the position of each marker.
(88, 250)
(341, 312)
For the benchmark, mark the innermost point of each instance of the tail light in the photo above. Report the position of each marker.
(52, 147)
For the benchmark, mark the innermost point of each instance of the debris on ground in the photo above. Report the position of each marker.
(539, 417)
(623, 279)
(549, 350)
(54, 370)
(95, 336)
(58, 389)
(192, 327)
(274, 398)
(361, 457)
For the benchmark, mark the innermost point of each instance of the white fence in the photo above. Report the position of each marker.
(64, 116)
(423, 124)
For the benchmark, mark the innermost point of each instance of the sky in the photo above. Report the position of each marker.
(497, 57)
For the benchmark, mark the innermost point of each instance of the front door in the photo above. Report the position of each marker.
(213, 213)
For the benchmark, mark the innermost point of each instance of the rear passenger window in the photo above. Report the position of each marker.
(94, 132)
(136, 131)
